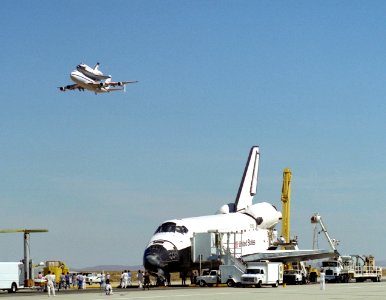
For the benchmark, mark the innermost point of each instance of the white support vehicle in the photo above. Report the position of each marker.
(263, 273)
(352, 267)
(231, 275)
(294, 276)
(228, 274)
(11, 276)
(208, 278)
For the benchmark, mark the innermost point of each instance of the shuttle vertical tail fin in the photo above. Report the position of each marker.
(248, 183)
(96, 66)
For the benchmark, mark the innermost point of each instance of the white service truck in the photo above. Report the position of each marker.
(294, 276)
(263, 273)
(11, 276)
(352, 267)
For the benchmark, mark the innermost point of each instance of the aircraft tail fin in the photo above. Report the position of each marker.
(248, 183)
(96, 68)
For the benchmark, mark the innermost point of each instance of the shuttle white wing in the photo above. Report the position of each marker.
(248, 183)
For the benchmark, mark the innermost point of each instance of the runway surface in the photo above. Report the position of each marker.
(366, 290)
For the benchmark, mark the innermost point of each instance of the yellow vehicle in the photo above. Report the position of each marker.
(57, 268)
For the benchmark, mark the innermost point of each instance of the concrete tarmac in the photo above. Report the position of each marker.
(352, 291)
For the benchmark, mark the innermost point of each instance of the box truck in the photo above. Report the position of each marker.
(263, 273)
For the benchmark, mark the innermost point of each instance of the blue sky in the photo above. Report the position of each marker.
(305, 80)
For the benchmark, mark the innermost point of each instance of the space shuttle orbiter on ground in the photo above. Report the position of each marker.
(170, 248)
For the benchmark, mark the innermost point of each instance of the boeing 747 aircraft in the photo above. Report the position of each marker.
(86, 78)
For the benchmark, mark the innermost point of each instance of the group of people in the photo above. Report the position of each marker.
(79, 280)
(143, 279)
(125, 279)
(65, 281)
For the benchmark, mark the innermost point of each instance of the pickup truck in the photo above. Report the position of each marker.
(293, 277)
(208, 278)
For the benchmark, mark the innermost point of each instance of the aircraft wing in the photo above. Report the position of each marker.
(119, 83)
(289, 255)
(115, 89)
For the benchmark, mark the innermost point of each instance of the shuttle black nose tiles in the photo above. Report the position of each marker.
(259, 221)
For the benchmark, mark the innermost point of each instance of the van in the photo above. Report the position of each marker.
(11, 276)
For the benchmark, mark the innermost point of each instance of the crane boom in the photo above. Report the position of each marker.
(286, 203)
(317, 219)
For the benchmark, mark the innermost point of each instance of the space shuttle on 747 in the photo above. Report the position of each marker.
(170, 248)
(92, 79)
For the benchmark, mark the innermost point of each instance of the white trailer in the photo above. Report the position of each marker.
(263, 273)
(11, 276)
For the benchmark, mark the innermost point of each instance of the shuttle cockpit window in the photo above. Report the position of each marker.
(181, 229)
(166, 227)
(171, 227)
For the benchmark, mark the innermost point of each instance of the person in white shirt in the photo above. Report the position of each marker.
(322, 280)
(50, 283)
(103, 278)
(124, 278)
(80, 280)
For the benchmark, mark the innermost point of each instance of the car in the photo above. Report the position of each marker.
(92, 278)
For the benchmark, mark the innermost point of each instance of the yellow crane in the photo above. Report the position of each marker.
(286, 204)
(27, 268)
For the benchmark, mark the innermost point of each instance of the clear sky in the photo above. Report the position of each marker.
(304, 80)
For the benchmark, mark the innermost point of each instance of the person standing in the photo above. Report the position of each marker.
(74, 280)
(68, 280)
(183, 278)
(322, 280)
(124, 279)
(103, 279)
(146, 279)
(84, 281)
(50, 283)
(108, 289)
(128, 277)
(62, 283)
(140, 278)
(80, 281)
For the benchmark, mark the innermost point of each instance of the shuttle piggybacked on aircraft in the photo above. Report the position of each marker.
(170, 248)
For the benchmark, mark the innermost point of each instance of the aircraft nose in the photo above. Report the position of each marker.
(153, 260)
(155, 257)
